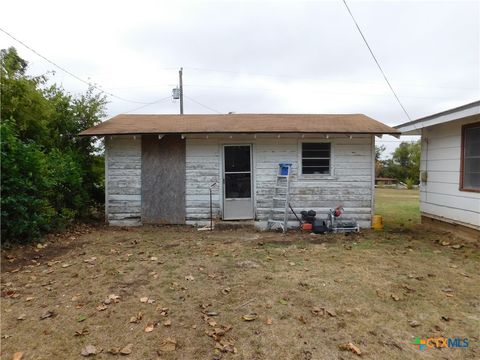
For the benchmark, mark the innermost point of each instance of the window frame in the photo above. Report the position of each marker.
(330, 174)
(462, 158)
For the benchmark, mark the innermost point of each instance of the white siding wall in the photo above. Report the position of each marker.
(123, 166)
(203, 169)
(440, 196)
(350, 184)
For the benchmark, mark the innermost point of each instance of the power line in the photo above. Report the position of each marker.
(205, 106)
(149, 104)
(70, 73)
(376, 61)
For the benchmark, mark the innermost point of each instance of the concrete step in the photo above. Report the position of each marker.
(234, 224)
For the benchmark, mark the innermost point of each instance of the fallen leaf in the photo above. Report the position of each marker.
(48, 314)
(445, 243)
(445, 318)
(114, 351)
(144, 299)
(150, 301)
(137, 318)
(212, 313)
(17, 355)
(318, 311)
(21, 317)
(82, 332)
(167, 322)
(226, 290)
(395, 297)
(127, 350)
(283, 302)
(414, 323)
(351, 347)
(149, 328)
(154, 258)
(449, 295)
(29, 298)
(447, 290)
(269, 321)
(102, 307)
(168, 345)
(189, 277)
(331, 312)
(65, 266)
(212, 323)
(89, 350)
(82, 318)
(250, 317)
(457, 246)
(114, 298)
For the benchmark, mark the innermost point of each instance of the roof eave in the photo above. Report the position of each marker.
(414, 127)
(101, 134)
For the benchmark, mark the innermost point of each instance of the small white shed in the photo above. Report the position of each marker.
(450, 166)
(159, 168)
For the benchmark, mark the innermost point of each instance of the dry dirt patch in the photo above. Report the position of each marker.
(176, 293)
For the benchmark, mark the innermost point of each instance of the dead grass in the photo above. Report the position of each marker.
(287, 280)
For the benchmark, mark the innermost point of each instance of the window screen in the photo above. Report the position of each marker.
(316, 158)
(471, 157)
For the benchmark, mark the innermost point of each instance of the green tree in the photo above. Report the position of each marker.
(404, 164)
(378, 163)
(49, 174)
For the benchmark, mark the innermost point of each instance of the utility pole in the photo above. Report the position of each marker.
(180, 73)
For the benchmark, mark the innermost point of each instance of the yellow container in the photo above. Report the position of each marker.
(377, 222)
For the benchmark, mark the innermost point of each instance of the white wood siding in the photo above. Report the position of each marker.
(350, 183)
(440, 196)
(123, 164)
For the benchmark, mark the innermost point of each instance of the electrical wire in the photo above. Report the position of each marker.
(149, 104)
(376, 61)
(205, 106)
(72, 74)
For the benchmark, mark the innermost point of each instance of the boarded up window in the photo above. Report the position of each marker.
(470, 176)
(316, 158)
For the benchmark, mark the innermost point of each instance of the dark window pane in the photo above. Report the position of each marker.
(471, 159)
(237, 186)
(316, 158)
(472, 165)
(472, 141)
(316, 162)
(237, 158)
(316, 170)
(316, 146)
(316, 153)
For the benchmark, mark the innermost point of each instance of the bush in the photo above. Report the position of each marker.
(410, 183)
(50, 176)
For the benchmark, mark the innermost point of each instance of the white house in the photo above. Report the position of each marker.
(159, 168)
(450, 166)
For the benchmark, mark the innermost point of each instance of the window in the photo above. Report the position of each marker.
(316, 158)
(470, 162)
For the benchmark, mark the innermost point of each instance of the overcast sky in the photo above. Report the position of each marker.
(258, 56)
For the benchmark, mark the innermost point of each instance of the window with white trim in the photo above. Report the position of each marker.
(316, 158)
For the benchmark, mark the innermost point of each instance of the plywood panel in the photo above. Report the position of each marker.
(163, 179)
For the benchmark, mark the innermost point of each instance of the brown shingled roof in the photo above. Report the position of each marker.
(240, 123)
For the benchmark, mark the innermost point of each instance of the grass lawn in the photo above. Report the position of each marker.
(176, 293)
(398, 207)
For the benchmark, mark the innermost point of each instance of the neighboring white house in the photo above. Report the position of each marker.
(159, 168)
(450, 165)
